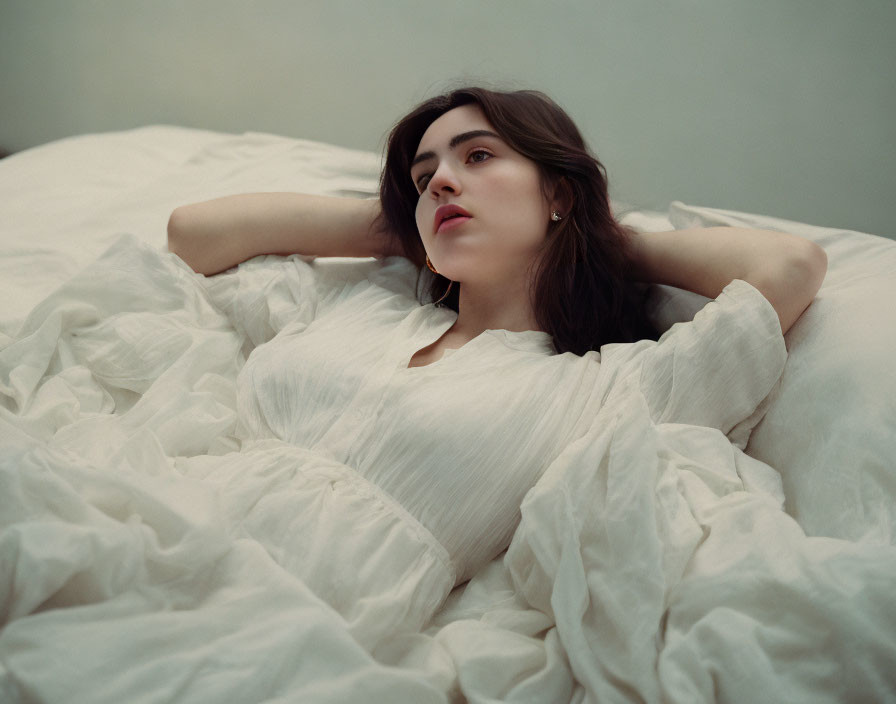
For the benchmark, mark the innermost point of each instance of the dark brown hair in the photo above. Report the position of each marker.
(582, 297)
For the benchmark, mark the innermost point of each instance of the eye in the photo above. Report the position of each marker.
(479, 152)
(422, 181)
(473, 156)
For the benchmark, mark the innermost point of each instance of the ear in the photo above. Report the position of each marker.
(562, 198)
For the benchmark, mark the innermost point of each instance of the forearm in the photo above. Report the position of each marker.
(215, 235)
(786, 269)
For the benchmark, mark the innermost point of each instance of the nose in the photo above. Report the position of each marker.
(444, 180)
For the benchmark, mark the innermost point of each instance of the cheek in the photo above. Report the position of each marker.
(420, 216)
(529, 207)
(522, 186)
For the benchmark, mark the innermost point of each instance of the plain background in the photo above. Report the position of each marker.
(780, 107)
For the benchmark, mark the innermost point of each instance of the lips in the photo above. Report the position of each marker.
(448, 216)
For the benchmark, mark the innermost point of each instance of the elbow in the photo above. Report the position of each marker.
(793, 286)
(811, 263)
(821, 262)
(176, 228)
(182, 239)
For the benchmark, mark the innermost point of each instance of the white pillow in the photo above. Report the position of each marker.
(830, 424)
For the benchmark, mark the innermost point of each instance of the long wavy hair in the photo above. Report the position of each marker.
(581, 294)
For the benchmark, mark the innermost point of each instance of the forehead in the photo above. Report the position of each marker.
(457, 120)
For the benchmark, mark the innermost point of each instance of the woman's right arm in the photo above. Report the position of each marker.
(218, 234)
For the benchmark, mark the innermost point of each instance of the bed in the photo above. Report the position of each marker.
(124, 580)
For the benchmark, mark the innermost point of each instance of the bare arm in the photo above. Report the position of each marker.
(217, 234)
(786, 269)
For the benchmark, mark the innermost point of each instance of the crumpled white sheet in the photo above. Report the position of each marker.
(645, 567)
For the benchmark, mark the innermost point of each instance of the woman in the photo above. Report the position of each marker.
(562, 271)
(497, 195)
(387, 450)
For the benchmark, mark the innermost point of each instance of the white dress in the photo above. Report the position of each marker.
(380, 487)
(226, 489)
(449, 450)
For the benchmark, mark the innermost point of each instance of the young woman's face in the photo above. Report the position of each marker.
(461, 161)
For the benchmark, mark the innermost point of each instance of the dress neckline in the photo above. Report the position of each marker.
(433, 326)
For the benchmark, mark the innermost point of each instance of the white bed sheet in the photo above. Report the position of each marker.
(636, 573)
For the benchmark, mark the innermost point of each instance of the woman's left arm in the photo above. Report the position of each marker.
(786, 269)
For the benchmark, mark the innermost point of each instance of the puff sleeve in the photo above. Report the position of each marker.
(717, 369)
(264, 295)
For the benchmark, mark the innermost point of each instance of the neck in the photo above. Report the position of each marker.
(492, 307)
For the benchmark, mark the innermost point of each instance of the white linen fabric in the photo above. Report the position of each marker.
(212, 490)
(459, 442)
(829, 426)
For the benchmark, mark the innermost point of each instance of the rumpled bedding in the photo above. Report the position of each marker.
(144, 557)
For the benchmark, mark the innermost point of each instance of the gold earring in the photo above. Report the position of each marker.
(447, 290)
(444, 295)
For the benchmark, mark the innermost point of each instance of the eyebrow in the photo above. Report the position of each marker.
(455, 140)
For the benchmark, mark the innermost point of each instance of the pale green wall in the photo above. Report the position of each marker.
(782, 107)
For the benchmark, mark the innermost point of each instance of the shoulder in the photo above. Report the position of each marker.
(351, 276)
(397, 274)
